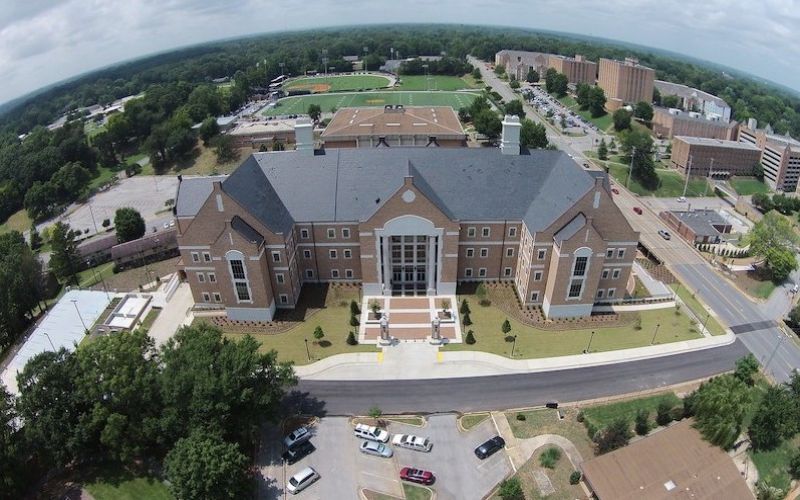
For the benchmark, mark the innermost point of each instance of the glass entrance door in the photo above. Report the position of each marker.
(409, 265)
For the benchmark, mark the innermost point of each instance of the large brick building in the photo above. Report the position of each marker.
(403, 221)
(701, 156)
(577, 69)
(671, 122)
(626, 81)
(780, 155)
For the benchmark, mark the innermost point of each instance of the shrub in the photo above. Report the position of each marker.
(375, 306)
(318, 333)
(579, 417)
(521, 417)
(511, 489)
(106, 222)
(616, 435)
(485, 302)
(353, 320)
(464, 309)
(470, 339)
(354, 309)
(445, 305)
(351, 339)
(481, 292)
(794, 465)
(466, 320)
(664, 412)
(637, 325)
(549, 457)
(677, 413)
(375, 412)
(575, 477)
(506, 327)
(642, 423)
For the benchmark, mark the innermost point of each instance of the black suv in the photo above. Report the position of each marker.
(292, 455)
(490, 447)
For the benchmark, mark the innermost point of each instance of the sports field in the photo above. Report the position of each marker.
(432, 82)
(318, 84)
(299, 104)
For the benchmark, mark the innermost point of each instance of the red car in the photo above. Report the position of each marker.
(417, 475)
(638, 210)
(615, 190)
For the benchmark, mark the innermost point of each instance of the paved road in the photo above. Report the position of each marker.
(754, 323)
(509, 391)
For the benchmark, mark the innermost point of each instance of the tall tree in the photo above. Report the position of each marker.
(622, 119)
(720, 406)
(533, 135)
(532, 76)
(776, 418)
(488, 124)
(129, 224)
(224, 149)
(314, 111)
(204, 466)
(772, 239)
(602, 150)
(13, 458)
(208, 130)
(64, 259)
(20, 274)
(596, 102)
(644, 111)
(514, 108)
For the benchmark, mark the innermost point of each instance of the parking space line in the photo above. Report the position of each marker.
(508, 456)
(380, 357)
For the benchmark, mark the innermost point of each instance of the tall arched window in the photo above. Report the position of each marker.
(238, 271)
(580, 269)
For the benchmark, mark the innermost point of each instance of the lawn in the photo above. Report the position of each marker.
(432, 82)
(773, 465)
(104, 176)
(671, 183)
(558, 476)
(91, 128)
(748, 185)
(472, 419)
(112, 483)
(536, 343)
(601, 416)
(414, 492)
(205, 162)
(94, 275)
(753, 284)
(151, 317)
(546, 421)
(333, 317)
(18, 221)
(712, 325)
(603, 122)
(338, 83)
(299, 104)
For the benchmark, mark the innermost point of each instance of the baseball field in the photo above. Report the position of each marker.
(337, 83)
(299, 104)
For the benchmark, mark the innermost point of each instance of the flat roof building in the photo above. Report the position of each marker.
(696, 100)
(518, 62)
(707, 156)
(577, 69)
(626, 81)
(671, 122)
(780, 156)
(393, 126)
(673, 463)
(698, 226)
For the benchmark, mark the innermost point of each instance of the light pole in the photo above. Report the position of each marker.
(51, 341)
(708, 315)
(308, 353)
(774, 352)
(427, 80)
(653, 340)
(708, 179)
(630, 170)
(513, 345)
(688, 173)
(366, 52)
(75, 303)
(586, 351)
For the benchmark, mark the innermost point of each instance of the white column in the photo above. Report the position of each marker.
(431, 265)
(387, 267)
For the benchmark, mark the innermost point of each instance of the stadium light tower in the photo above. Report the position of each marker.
(366, 52)
(325, 61)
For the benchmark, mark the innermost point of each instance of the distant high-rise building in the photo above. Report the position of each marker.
(780, 155)
(577, 69)
(695, 100)
(626, 81)
(518, 62)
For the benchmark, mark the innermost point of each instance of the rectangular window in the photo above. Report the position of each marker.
(468, 272)
(348, 273)
(346, 233)
(237, 269)
(206, 297)
(575, 288)
(605, 274)
(600, 293)
(512, 232)
(484, 252)
(242, 292)
(304, 234)
(470, 252)
(580, 266)
(212, 278)
(332, 254)
(471, 232)
(485, 232)
(482, 272)
(537, 276)
(507, 272)
(309, 273)
(509, 252)
(195, 257)
(611, 292)
(609, 253)
(334, 273)
(541, 253)
(615, 274)
(201, 277)
(534, 296)
(217, 297)
(621, 253)
(206, 257)
(306, 254)
(331, 233)
(276, 256)
(348, 254)
(284, 298)
(279, 278)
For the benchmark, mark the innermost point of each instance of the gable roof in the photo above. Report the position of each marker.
(440, 121)
(351, 184)
(570, 229)
(246, 230)
(192, 193)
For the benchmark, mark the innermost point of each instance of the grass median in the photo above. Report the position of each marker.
(712, 325)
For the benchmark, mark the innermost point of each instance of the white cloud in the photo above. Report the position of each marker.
(43, 41)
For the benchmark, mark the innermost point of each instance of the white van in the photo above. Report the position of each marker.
(301, 480)
(371, 433)
(412, 442)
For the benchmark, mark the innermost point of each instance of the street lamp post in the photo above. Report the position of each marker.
(586, 351)
(308, 353)
(653, 340)
(630, 170)
(75, 303)
(774, 352)
(51, 341)
(513, 345)
(708, 315)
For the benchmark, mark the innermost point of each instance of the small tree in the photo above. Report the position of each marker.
(318, 333)
(36, 238)
(746, 369)
(464, 309)
(354, 309)
(351, 339)
(445, 305)
(575, 477)
(794, 465)
(466, 320)
(375, 307)
(354, 320)
(622, 119)
(506, 328)
(602, 150)
(616, 435)
(470, 338)
(642, 423)
(129, 224)
(106, 222)
(664, 412)
(375, 412)
(511, 489)
(314, 111)
(514, 84)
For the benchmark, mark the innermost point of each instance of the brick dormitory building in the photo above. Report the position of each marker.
(403, 220)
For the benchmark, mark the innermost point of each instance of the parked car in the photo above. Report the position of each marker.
(301, 480)
(376, 448)
(417, 475)
(638, 210)
(412, 442)
(297, 453)
(615, 190)
(664, 234)
(490, 447)
(682, 199)
(297, 437)
(371, 433)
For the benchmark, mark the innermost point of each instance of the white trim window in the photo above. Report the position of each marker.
(621, 253)
(600, 293)
(610, 253)
(535, 296)
(507, 272)
(206, 257)
(309, 273)
(238, 271)
(217, 297)
(468, 272)
(348, 273)
(333, 254)
(575, 288)
(541, 254)
(605, 274)
(304, 233)
(470, 252)
(331, 233)
(201, 278)
(306, 254)
(611, 293)
(615, 274)
(283, 298)
(537, 275)
(509, 252)
(206, 297)
(482, 272)
(279, 278)
(347, 253)
(346, 233)
(276, 257)
(212, 277)
(335, 273)
(512, 232)
(471, 232)
(486, 232)
(195, 257)
(484, 253)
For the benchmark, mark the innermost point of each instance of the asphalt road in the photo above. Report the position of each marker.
(510, 391)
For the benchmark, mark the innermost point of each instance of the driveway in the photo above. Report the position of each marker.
(344, 470)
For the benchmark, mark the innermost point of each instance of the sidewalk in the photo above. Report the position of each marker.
(414, 361)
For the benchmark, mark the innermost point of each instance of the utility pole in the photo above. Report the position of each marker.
(688, 173)
(630, 170)
(774, 351)
(708, 178)
(366, 52)
(653, 340)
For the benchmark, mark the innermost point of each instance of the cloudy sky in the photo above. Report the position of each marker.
(44, 41)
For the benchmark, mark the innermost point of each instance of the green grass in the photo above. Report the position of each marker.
(748, 185)
(339, 83)
(94, 275)
(111, 483)
(773, 465)
(763, 290)
(414, 492)
(18, 221)
(91, 128)
(546, 421)
(671, 183)
(148, 320)
(549, 457)
(299, 104)
(712, 325)
(408, 420)
(603, 122)
(473, 419)
(603, 415)
(535, 343)
(433, 82)
(104, 175)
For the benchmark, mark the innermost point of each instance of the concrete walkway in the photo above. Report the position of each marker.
(521, 450)
(411, 361)
(176, 313)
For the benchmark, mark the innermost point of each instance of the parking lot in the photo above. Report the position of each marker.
(344, 470)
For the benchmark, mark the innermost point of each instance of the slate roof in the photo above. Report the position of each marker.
(246, 230)
(281, 188)
(569, 230)
(192, 193)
